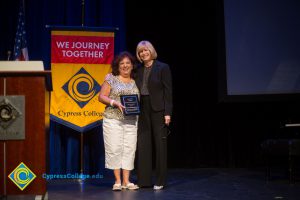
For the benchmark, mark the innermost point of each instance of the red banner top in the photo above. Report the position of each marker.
(82, 49)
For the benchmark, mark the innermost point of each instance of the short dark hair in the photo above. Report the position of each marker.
(116, 61)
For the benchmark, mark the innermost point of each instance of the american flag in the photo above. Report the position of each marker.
(20, 48)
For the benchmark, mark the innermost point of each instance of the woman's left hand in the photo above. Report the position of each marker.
(167, 120)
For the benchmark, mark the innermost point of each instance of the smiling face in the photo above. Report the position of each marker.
(145, 55)
(125, 67)
(145, 52)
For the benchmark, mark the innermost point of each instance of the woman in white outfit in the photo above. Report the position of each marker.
(119, 131)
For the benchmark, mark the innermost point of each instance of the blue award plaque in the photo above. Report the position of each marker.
(131, 103)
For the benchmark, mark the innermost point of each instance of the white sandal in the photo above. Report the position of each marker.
(117, 187)
(130, 186)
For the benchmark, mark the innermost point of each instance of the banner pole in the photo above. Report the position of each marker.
(81, 179)
(81, 134)
(82, 12)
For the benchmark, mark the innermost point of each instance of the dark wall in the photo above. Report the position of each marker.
(206, 132)
(8, 19)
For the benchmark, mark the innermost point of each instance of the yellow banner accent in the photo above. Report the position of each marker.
(65, 102)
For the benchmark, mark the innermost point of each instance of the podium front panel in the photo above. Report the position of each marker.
(32, 150)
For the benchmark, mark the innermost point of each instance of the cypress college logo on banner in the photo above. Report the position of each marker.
(79, 62)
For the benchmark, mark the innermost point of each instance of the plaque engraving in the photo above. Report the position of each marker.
(131, 103)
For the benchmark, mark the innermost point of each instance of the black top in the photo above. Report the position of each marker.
(159, 86)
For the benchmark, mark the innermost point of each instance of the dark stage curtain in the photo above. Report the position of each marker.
(64, 143)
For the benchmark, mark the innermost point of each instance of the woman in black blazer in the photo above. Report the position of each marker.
(154, 81)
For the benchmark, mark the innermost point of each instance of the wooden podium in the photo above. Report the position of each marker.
(28, 79)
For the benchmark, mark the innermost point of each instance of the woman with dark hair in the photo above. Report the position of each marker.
(119, 131)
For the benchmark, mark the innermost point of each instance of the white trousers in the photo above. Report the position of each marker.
(120, 137)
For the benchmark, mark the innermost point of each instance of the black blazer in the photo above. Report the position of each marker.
(159, 86)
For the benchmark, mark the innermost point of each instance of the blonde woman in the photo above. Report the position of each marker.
(154, 81)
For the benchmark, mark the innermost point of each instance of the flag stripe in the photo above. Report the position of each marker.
(20, 48)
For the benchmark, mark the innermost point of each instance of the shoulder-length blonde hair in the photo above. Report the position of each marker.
(145, 45)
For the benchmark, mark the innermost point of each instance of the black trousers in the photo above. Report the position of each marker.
(152, 132)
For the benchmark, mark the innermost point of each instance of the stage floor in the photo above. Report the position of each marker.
(204, 184)
(183, 184)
